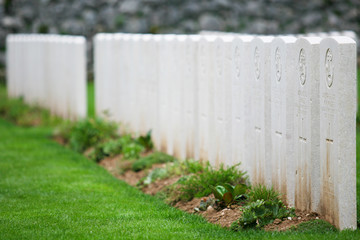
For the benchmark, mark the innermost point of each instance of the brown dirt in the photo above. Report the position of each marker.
(59, 140)
(224, 217)
(158, 185)
(287, 223)
(115, 164)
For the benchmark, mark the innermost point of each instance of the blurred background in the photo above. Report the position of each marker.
(88, 17)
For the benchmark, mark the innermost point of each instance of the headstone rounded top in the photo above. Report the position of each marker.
(195, 37)
(340, 39)
(210, 38)
(79, 40)
(169, 37)
(146, 37)
(286, 39)
(135, 37)
(126, 37)
(181, 37)
(309, 40)
(157, 37)
(227, 38)
(118, 36)
(244, 38)
(263, 39)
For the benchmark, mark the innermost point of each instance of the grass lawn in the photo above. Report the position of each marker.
(91, 99)
(47, 191)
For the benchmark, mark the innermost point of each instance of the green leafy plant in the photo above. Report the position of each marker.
(89, 132)
(109, 148)
(261, 212)
(130, 148)
(157, 173)
(261, 192)
(149, 160)
(199, 185)
(185, 167)
(146, 141)
(227, 194)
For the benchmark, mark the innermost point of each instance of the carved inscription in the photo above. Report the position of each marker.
(278, 64)
(237, 62)
(302, 66)
(302, 113)
(329, 68)
(257, 63)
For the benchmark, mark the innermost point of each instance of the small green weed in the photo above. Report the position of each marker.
(148, 161)
(146, 141)
(185, 167)
(261, 192)
(109, 148)
(157, 173)
(87, 133)
(199, 185)
(131, 149)
(260, 213)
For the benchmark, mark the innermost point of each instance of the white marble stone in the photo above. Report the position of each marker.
(156, 128)
(259, 122)
(163, 63)
(282, 107)
(169, 67)
(305, 73)
(191, 123)
(177, 104)
(134, 53)
(206, 74)
(239, 102)
(338, 131)
(126, 84)
(222, 99)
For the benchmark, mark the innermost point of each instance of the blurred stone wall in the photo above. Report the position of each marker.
(87, 17)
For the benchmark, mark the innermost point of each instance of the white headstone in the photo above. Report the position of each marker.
(239, 86)
(190, 96)
(305, 73)
(283, 164)
(170, 69)
(156, 128)
(177, 87)
(206, 72)
(222, 99)
(259, 135)
(163, 93)
(338, 131)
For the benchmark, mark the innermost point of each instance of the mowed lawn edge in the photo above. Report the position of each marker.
(50, 192)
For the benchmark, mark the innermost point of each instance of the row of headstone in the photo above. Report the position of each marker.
(350, 34)
(283, 107)
(48, 71)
